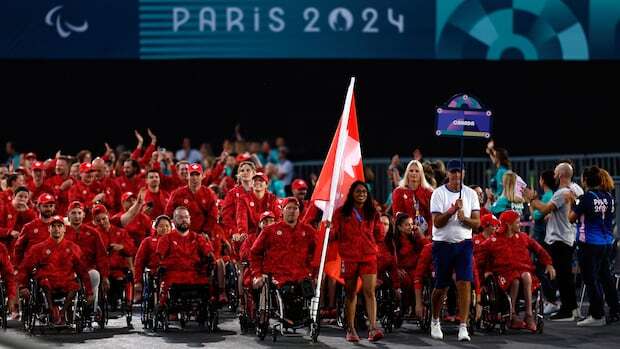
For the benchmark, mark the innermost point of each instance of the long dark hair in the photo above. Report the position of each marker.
(368, 211)
(400, 218)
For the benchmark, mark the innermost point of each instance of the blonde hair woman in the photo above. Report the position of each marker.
(413, 196)
(510, 199)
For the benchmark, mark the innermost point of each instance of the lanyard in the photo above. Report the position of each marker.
(358, 216)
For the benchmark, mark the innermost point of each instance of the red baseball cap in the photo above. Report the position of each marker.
(99, 209)
(267, 214)
(46, 198)
(37, 166)
(261, 176)
(76, 204)
(195, 168)
(508, 217)
(299, 184)
(288, 200)
(488, 219)
(127, 195)
(55, 219)
(86, 167)
(243, 157)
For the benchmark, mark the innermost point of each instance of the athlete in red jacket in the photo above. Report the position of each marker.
(507, 255)
(184, 255)
(58, 261)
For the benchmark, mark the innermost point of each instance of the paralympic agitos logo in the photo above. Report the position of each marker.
(63, 27)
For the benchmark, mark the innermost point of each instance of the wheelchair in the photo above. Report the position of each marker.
(496, 306)
(150, 298)
(388, 309)
(248, 300)
(121, 291)
(232, 286)
(36, 311)
(424, 323)
(188, 302)
(3, 304)
(289, 304)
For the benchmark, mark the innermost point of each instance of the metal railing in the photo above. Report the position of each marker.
(479, 170)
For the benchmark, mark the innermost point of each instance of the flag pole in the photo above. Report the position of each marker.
(329, 210)
(462, 166)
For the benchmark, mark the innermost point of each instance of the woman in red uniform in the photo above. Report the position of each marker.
(358, 230)
(413, 197)
(409, 242)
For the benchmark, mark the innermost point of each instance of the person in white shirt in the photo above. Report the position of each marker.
(456, 211)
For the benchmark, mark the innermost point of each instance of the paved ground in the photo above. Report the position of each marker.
(558, 335)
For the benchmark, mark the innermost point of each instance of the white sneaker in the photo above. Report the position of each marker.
(591, 322)
(463, 334)
(551, 308)
(436, 330)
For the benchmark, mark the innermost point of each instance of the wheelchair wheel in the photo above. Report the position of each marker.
(425, 322)
(539, 309)
(183, 320)
(315, 329)
(103, 309)
(274, 334)
(471, 321)
(232, 279)
(79, 312)
(214, 318)
(261, 331)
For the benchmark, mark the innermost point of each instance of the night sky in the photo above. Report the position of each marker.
(539, 107)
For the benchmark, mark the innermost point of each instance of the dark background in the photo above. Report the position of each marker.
(539, 107)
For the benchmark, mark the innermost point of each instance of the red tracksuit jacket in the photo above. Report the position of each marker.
(283, 251)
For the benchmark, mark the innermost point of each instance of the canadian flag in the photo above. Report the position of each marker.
(343, 164)
(342, 167)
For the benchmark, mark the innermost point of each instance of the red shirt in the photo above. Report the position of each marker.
(229, 207)
(409, 252)
(357, 240)
(13, 220)
(35, 191)
(404, 199)
(6, 273)
(159, 201)
(62, 196)
(146, 257)
(83, 193)
(138, 228)
(501, 254)
(386, 261)
(184, 257)
(112, 199)
(283, 251)
(117, 260)
(249, 209)
(133, 184)
(94, 254)
(424, 267)
(201, 206)
(57, 263)
(32, 233)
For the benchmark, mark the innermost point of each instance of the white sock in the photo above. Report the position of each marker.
(435, 321)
